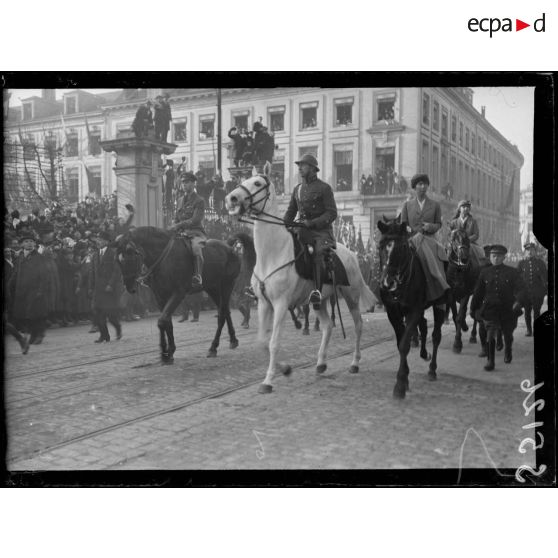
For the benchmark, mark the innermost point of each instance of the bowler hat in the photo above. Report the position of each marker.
(463, 202)
(529, 245)
(419, 178)
(498, 249)
(104, 235)
(309, 160)
(188, 177)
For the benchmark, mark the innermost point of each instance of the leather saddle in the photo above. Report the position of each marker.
(305, 267)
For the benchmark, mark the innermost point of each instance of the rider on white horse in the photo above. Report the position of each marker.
(313, 200)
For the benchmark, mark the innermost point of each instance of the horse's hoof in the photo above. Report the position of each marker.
(472, 340)
(305, 332)
(265, 388)
(457, 349)
(398, 392)
(464, 326)
(321, 368)
(353, 369)
(426, 356)
(298, 325)
(211, 353)
(286, 370)
(233, 345)
(432, 377)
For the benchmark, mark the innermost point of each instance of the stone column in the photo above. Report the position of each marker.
(138, 176)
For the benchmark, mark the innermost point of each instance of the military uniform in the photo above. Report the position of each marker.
(535, 277)
(313, 200)
(497, 298)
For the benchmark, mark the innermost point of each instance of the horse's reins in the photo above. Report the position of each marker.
(400, 278)
(142, 278)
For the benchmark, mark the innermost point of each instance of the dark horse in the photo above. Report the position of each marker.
(403, 293)
(169, 263)
(462, 276)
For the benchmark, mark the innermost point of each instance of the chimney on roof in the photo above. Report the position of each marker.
(483, 112)
(48, 95)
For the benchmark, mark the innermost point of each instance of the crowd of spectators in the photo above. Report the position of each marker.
(251, 147)
(384, 182)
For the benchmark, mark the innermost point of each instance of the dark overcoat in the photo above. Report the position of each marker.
(28, 287)
(105, 272)
(535, 276)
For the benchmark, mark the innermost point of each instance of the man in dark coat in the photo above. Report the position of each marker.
(143, 120)
(189, 223)
(27, 290)
(497, 297)
(535, 276)
(161, 118)
(238, 145)
(313, 200)
(105, 287)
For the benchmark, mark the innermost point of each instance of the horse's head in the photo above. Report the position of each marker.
(251, 196)
(460, 246)
(130, 258)
(394, 244)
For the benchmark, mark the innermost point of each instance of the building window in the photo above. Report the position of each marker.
(444, 175)
(276, 119)
(473, 144)
(50, 144)
(27, 111)
(94, 178)
(485, 149)
(207, 127)
(435, 168)
(240, 119)
(278, 172)
(385, 109)
(308, 150)
(444, 123)
(426, 109)
(461, 134)
(466, 189)
(71, 105)
(384, 165)
(343, 169)
(460, 178)
(94, 138)
(453, 128)
(466, 139)
(435, 115)
(207, 168)
(72, 184)
(28, 148)
(452, 170)
(179, 131)
(72, 145)
(308, 115)
(424, 157)
(344, 111)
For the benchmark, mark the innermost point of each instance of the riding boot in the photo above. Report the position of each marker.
(528, 324)
(508, 349)
(491, 356)
(484, 350)
(316, 295)
(499, 341)
(198, 270)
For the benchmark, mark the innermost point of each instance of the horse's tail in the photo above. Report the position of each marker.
(249, 252)
(367, 299)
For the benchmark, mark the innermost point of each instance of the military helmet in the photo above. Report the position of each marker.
(309, 160)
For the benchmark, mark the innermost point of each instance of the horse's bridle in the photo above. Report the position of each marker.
(402, 274)
(251, 207)
(455, 249)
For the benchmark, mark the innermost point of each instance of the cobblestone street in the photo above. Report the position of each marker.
(72, 404)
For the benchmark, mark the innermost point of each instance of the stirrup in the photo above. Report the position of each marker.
(315, 299)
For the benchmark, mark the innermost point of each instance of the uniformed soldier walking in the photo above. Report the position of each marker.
(498, 295)
(313, 200)
(189, 223)
(535, 277)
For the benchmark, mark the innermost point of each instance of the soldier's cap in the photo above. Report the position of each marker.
(188, 177)
(463, 203)
(104, 235)
(419, 178)
(529, 245)
(487, 247)
(309, 160)
(498, 249)
(26, 235)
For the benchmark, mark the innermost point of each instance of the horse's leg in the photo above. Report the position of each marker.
(404, 346)
(457, 342)
(317, 324)
(436, 338)
(296, 321)
(463, 313)
(327, 328)
(423, 328)
(279, 311)
(473, 338)
(352, 304)
(332, 303)
(306, 310)
(226, 292)
(265, 316)
(215, 295)
(165, 327)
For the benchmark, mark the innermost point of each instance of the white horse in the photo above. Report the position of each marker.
(276, 282)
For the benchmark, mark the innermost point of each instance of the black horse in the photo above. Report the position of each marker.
(169, 263)
(462, 276)
(403, 293)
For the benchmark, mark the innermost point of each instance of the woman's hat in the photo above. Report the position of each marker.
(419, 178)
